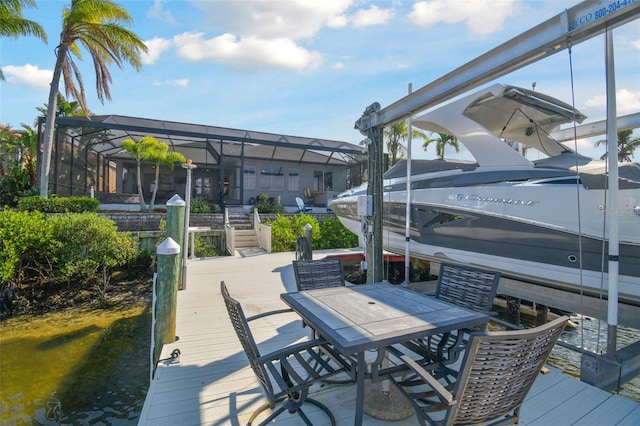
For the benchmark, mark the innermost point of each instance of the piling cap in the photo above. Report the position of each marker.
(168, 247)
(175, 201)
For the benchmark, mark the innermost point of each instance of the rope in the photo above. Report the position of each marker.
(577, 165)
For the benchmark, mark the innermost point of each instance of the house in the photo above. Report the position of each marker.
(233, 166)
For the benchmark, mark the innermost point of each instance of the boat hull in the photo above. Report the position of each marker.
(519, 249)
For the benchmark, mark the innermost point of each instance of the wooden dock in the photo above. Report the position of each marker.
(212, 383)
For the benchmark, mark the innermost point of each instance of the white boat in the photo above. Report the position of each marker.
(541, 221)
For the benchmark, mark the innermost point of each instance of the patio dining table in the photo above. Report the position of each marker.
(355, 319)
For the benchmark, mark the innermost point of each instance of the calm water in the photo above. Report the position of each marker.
(75, 368)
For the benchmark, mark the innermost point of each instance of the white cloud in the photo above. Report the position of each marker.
(262, 33)
(157, 11)
(294, 19)
(338, 65)
(155, 47)
(29, 75)
(184, 82)
(249, 52)
(372, 16)
(627, 101)
(636, 44)
(338, 22)
(481, 16)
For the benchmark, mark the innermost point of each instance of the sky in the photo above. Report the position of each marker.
(310, 68)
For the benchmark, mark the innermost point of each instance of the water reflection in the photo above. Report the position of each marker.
(76, 367)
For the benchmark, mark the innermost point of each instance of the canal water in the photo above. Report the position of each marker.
(75, 367)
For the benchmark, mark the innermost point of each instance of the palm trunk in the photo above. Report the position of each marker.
(155, 187)
(143, 206)
(49, 127)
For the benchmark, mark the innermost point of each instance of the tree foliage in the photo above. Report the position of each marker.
(149, 149)
(14, 25)
(18, 150)
(98, 26)
(627, 145)
(442, 140)
(396, 134)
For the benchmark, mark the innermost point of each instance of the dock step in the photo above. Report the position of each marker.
(246, 238)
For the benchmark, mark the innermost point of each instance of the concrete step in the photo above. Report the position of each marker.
(240, 221)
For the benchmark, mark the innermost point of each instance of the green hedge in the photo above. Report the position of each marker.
(59, 205)
(327, 234)
(68, 247)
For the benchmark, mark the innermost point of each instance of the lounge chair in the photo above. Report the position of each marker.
(497, 372)
(286, 374)
(301, 207)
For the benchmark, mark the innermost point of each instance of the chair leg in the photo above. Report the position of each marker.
(292, 406)
(322, 407)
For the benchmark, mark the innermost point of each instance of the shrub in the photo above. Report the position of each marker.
(263, 205)
(90, 245)
(327, 234)
(59, 204)
(285, 230)
(202, 206)
(27, 245)
(333, 234)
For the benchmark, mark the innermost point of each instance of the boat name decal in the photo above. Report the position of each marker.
(475, 197)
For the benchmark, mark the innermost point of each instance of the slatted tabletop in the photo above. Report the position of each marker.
(360, 318)
(372, 316)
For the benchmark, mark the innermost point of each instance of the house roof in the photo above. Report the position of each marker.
(204, 143)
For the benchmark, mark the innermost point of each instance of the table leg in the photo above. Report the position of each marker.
(361, 371)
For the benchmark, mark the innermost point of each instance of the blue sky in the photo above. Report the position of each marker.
(307, 67)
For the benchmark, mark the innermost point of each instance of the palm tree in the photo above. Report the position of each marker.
(150, 149)
(396, 133)
(13, 25)
(65, 108)
(442, 140)
(626, 145)
(161, 156)
(96, 25)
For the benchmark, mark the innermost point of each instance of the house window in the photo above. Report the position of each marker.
(293, 180)
(323, 181)
(272, 177)
(249, 177)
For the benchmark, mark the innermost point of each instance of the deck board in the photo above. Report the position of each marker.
(212, 384)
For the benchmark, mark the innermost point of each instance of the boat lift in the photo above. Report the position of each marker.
(573, 26)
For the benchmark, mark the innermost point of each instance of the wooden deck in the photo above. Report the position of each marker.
(212, 384)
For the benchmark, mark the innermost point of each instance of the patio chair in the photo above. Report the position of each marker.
(301, 207)
(465, 286)
(286, 374)
(309, 195)
(497, 372)
(320, 273)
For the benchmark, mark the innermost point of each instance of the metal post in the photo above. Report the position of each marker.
(185, 240)
(612, 219)
(407, 225)
(377, 206)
